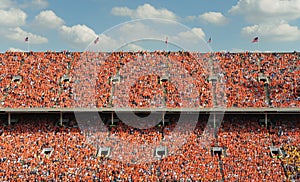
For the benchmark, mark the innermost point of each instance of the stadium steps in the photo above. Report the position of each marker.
(266, 85)
(268, 99)
(112, 91)
(214, 95)
(281, 162)
(164, 101)
(59, 93)
(59, 82)
(284, 169)
(220, 162)
(213, 82)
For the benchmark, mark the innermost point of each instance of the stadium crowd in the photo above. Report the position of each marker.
(149, 79)
(141, 80)
(245, 142)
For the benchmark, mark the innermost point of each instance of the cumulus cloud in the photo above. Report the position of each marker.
(257, 11)
(191, 40)
(77, 35)
(48, 19)
(144, 11)
(270, 18)
(194, 33)
(12, 49)
(12, 17)
(35, 4)
(138, 30)
(191, 18)
(5, 4)
(19, 34)
(273, 31)
(132, 47)
(24, 4)
(40, 3)
(134, 35)
(216, 18)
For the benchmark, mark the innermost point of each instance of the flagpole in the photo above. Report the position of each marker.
(166, 41)
(209, 43)
(28, 46)
(255, 40)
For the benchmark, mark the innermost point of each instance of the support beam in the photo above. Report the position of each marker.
(214, 120)
(112, 118)
(266, 119)
(163, 119)
(9, 118)
(60, 118)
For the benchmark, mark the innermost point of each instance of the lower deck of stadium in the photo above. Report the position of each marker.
(250, 150)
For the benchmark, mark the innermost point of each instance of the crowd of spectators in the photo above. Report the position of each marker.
(285, 134)
(149, 79)
(38, 85)
(246, 154)
(240, 72)
(283, 70)
(247, 151)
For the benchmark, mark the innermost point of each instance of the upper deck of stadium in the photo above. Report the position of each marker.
(49, 81)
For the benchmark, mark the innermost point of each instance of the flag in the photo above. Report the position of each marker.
(26, 39)
(166, 41)
(255, 40)
(209, 40)
(96, 41)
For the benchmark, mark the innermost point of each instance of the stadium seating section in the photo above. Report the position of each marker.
(245, 141)
(67, 80)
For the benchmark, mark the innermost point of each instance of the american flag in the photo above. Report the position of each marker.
(96, 41)
(209, 40)
(255, 40)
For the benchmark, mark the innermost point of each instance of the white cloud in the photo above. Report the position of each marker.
(24, 4)
(124, 36)
(77, 35)
(48, 19)
(191, 40)
(80, 36)
(129, 31)
(12, 49)
(190, 18)
(40, 3)
(5, 4)
(257, 11)
(144, 11)
(235, 50)
(12, 17)
(18, 34)
(132, 47)
(193, 34)
(35, 4)
(273, 31)
(216, 18)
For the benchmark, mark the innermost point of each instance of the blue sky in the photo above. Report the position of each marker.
(73, 25)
